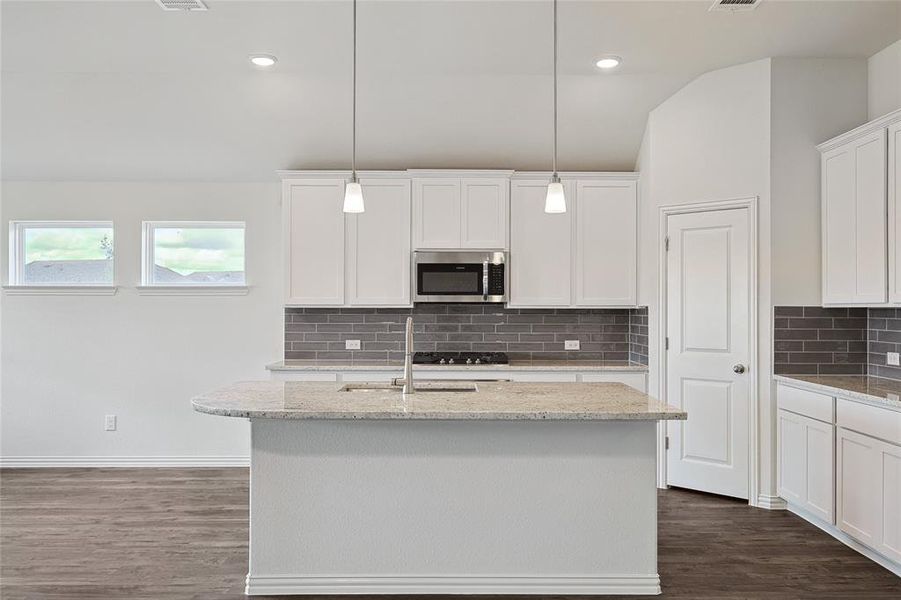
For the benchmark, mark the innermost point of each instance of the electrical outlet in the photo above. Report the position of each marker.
(572, 345)
(892, 358)
(351, 344)
(109, 423)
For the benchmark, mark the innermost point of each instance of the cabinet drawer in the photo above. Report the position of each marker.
(809, 404)
(877, 422)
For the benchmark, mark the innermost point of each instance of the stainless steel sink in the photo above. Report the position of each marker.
(422, 386)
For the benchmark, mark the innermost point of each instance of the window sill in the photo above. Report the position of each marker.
(60, 290)
(193, 290)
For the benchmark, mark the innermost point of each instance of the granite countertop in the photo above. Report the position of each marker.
(871, 390)
(491, 401)
(515, 365)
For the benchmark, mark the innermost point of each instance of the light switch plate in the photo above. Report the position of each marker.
(892, 358)
(351, 344)
(572, 345)
(109, 423)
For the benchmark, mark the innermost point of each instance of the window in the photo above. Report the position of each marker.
(61, 253)
(193, 254)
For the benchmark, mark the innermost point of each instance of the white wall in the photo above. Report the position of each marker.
(884, 80)
(751, 130)
(812, 101)
(710, 141)
(69, 360)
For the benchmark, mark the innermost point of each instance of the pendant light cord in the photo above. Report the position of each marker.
(353, 158)
(555, 90)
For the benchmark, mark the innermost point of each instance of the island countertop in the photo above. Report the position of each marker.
(492, 401)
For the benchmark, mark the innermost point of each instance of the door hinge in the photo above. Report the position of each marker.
(666, 343)
(666, 243)
(666, 443)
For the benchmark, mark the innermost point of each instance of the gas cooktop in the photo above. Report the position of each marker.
(460, 358)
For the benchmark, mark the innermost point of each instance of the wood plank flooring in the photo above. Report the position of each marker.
(182, 533)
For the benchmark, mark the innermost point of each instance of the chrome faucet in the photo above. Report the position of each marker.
(408, 359)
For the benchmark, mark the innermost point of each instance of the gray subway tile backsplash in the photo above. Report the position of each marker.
(525, 334)
(812, 340)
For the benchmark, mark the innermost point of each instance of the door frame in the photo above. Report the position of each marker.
(749, 203)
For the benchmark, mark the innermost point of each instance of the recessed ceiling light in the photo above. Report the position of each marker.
(263, 60)
(609, 62)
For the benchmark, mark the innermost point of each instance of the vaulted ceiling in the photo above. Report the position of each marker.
(121, 90)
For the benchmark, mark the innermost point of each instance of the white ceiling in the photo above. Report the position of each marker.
(121, 90)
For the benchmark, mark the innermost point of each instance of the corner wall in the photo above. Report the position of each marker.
(710, 141)
(69, 360)
(751, 130)
(884, 80)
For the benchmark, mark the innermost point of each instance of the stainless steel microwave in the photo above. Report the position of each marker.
(460, 276)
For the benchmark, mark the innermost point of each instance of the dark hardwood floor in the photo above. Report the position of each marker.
(182, 533)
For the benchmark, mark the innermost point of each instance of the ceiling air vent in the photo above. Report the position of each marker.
(734, 5)
(181, 4)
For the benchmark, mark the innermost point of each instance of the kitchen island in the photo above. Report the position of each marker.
(459, 488)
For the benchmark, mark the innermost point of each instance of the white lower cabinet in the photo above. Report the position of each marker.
(806, 466)
(890, 542)
(869, 492)
(843, 467)
(858, 479)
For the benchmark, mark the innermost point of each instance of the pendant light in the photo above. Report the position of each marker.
(353, 191)
(556, 200)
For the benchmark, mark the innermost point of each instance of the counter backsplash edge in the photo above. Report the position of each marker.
(524, 334)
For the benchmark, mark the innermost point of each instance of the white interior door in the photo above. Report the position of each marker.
(708, 370)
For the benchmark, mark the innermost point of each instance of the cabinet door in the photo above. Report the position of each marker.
(540, 247)
(889, 542)
(858, 486)
(792, 457)
(378, 245)
(484, 213)
(606, 245)
(819, 444)
(436, 213)
(894, 212)
(313, 220)
(854, 222)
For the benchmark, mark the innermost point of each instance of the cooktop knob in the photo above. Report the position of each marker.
(478, 362)
(450, 361)
(442, 361)
(468, 361)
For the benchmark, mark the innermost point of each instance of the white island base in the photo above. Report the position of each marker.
(453, 507)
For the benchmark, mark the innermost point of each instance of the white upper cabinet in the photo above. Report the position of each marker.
(436, 213)
(378, 245)
(484, 204)
(586, 257)
(314, 241)
(854, 222)
(606, 242)
(861, 226)
(453, 213)
(894, 212)
(540, 247)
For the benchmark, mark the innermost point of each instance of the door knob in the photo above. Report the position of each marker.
(739, 368)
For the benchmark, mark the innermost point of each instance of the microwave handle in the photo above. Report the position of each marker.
(485, 280)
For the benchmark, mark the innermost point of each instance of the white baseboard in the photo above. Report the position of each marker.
(23, 462)
(635, 585)
(846, 539)
(770, 502)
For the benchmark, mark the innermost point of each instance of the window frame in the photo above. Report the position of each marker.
(150, 287)
(16, 266)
